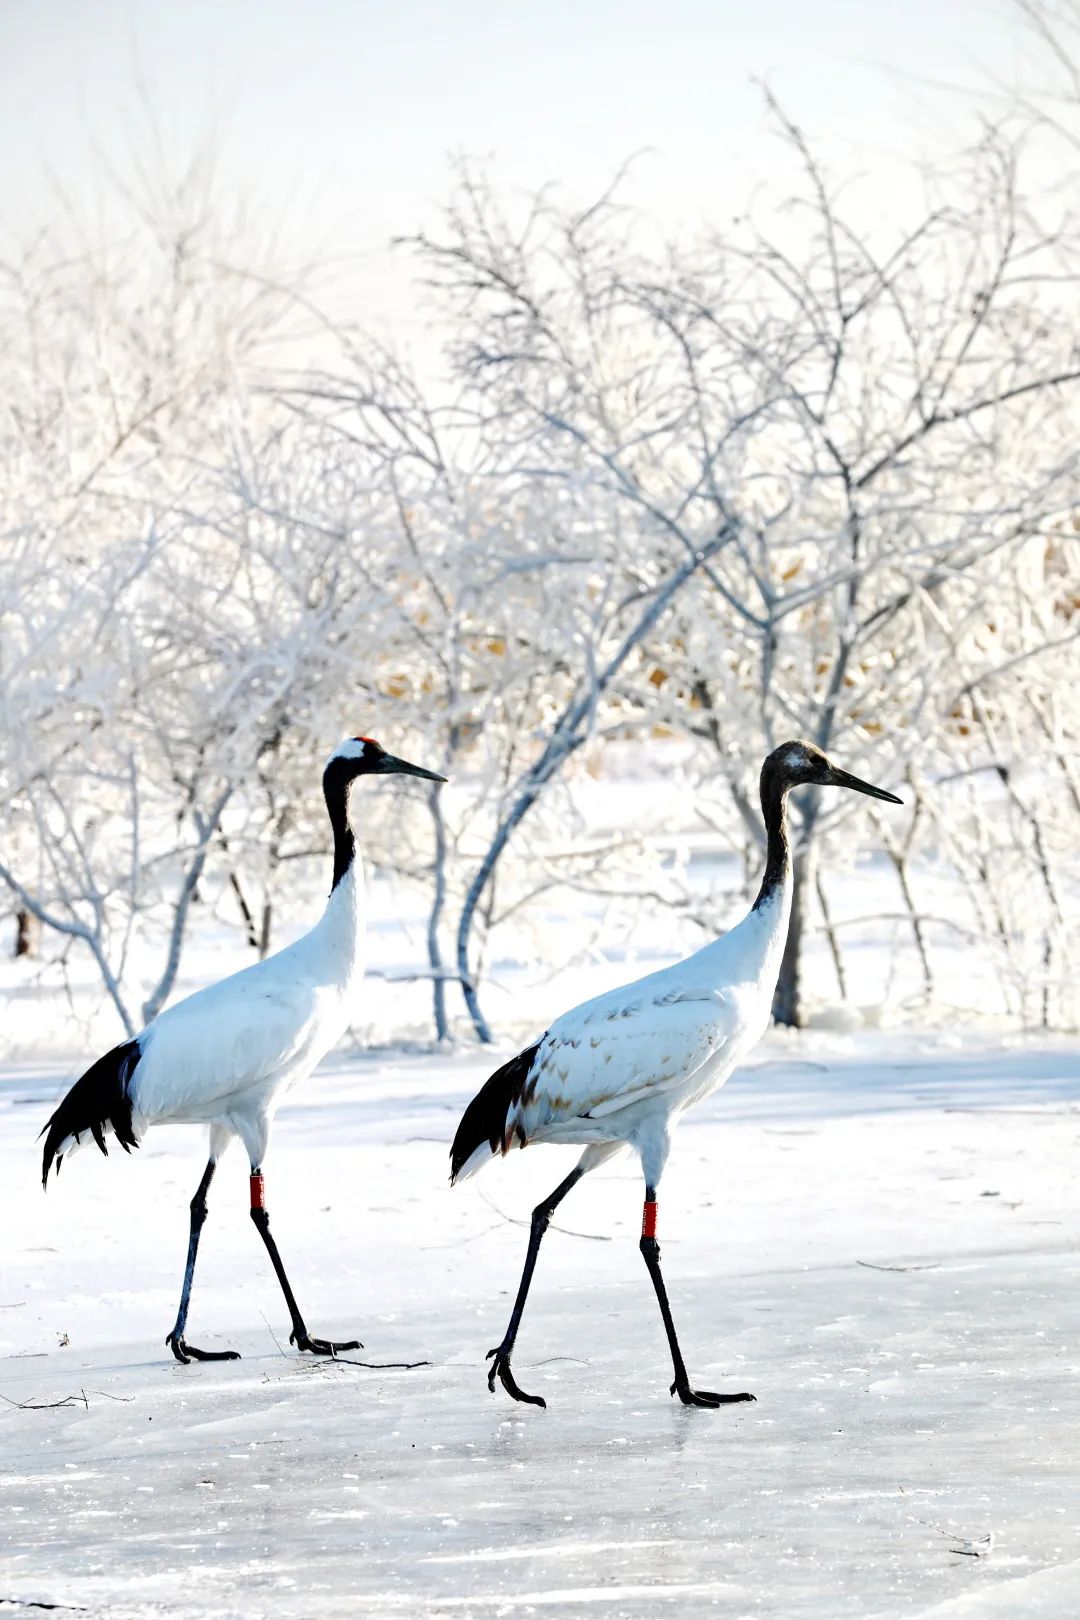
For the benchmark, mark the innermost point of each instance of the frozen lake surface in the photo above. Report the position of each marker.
(876, 1235)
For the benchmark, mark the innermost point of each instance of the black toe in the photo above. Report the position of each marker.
(323, 1347)
(189, 1352)
(500, 1367)
(708, 1397)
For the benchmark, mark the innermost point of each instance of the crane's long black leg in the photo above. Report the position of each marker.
(500, 1356)
(650, 1251)
(180, 1348)
(299, 1335)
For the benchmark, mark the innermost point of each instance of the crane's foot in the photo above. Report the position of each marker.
(321, 1347)
(500, 1368)
(706, 1397)
(188, 1352)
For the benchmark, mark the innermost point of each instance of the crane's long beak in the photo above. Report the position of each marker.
(838, 778)
(392, 766)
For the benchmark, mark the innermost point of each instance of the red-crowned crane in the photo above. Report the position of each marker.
(620, 1069)
(225, 1056)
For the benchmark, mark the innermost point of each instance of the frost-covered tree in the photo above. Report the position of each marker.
(876, 429)
(130, 676)
(812, 474)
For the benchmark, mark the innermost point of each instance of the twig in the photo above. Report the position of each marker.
(330, 1361)
(273, 1335)
(931, 1265)
(591, 1237)
(1048, 1112)
(469, 1237)
(350, 1361)
(48, 1406)
(379, 1366)
(39, 1603)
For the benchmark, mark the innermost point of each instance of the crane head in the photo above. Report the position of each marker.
(363, 756)
(802, 764)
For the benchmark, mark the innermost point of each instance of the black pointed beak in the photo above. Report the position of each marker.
(390, 765)
(844, 779)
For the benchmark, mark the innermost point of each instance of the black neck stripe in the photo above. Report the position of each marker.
(774, 789)
(337, 780)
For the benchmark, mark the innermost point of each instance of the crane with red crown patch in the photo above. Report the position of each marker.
(223, 1056)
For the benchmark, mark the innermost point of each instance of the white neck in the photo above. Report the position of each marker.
(773, 920)
(340, 930)
(754, 948)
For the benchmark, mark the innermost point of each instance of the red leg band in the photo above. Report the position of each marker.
(258, 1191)
(648, 1221)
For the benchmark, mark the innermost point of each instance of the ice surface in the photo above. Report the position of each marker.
(875, 1235)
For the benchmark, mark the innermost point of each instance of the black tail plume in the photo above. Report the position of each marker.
(485, 1118)
(100, 1100)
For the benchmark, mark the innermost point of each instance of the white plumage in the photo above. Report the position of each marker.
(620, 1069)
(226, 1055)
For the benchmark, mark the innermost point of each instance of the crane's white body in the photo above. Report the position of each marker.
(619, 1068)
(226, 1055)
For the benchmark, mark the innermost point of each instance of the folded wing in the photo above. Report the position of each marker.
(222, 1042)
(617, 1052)
(610, 1054)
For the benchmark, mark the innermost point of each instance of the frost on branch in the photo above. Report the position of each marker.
(805, 475)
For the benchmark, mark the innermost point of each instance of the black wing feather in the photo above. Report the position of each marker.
(485, 1118)
(99, 1100)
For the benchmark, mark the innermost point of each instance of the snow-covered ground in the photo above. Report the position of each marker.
(876, 1235)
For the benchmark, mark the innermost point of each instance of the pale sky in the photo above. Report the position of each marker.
(339, 117)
